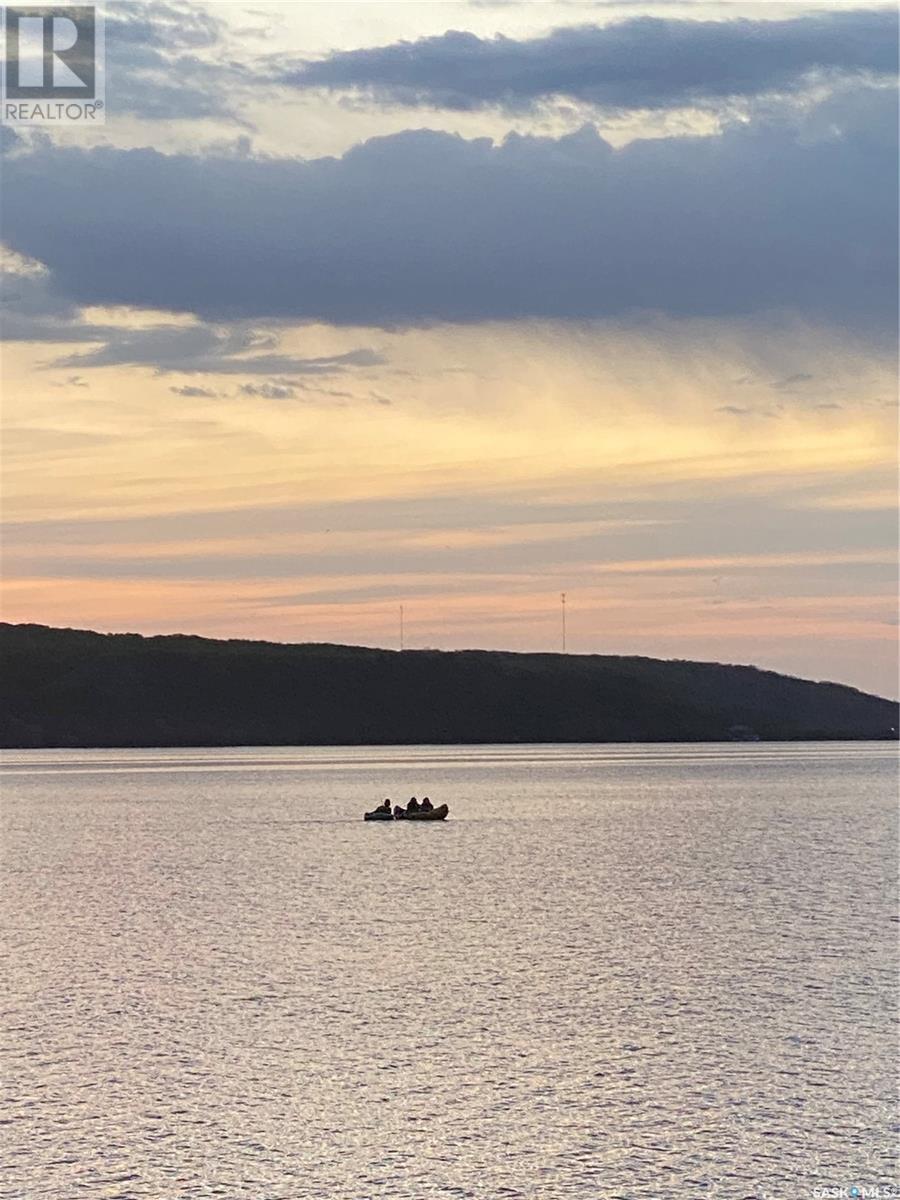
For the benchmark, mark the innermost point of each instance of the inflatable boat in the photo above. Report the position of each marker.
(433, 814)
(430, 814)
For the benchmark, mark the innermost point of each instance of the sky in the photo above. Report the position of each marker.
(461, 306)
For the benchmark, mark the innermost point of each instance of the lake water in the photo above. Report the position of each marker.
(615, 971)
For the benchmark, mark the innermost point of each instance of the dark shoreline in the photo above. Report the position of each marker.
(786, 741)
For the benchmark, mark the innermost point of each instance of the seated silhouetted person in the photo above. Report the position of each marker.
(413, 805)
(427, 806)
(399, 810)
(385, 806)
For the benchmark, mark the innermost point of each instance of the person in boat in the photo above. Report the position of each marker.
(399, 811)
(385, 806)
(413, 805)
(427, 806)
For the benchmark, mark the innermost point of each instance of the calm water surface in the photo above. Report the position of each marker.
(615, 971)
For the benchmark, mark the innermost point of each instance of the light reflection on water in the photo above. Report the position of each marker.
(636, 971)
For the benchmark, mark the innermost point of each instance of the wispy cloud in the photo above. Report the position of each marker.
(34, 312)
(171, 61)
(269, 390)
(191, 392)
(203, 349)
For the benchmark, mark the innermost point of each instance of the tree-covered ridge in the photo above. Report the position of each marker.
(65, 687)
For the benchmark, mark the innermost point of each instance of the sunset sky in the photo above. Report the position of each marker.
(460, 306)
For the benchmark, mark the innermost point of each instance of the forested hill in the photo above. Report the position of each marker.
(66, 687)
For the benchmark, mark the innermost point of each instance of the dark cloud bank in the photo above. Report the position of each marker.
(646, 62)
(795, 214)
